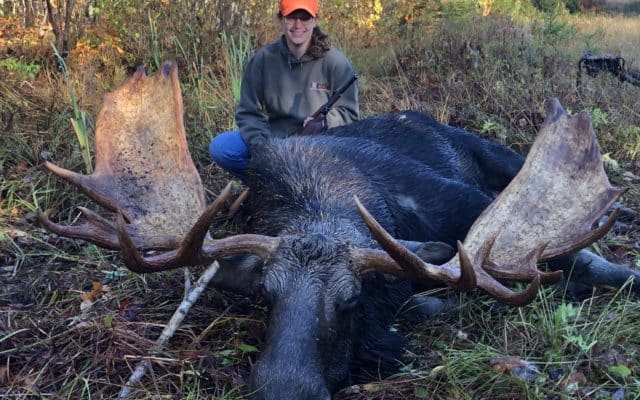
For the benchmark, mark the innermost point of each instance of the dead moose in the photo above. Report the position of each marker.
(345, 226)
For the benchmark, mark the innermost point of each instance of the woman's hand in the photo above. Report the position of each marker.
(313, 125)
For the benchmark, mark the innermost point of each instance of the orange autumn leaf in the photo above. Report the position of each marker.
(94, 294)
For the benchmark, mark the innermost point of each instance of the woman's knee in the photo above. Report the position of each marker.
(216, 150)
(228, 147)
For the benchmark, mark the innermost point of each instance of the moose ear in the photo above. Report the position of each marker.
(435, 252)
(240, 273)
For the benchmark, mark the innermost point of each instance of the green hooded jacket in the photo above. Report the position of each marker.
(279, 91)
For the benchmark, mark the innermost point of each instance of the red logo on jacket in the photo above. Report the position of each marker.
(319, 86)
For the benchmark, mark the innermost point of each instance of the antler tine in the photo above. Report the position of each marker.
(88, 231)
(468, 279)
(586, 239)
(97, 220)
(508, 296)
(192, 250)
(492, 286)
(374, 260)
(411, 264)
(235, 206)
(102, 232)
(87, 184)
(555, 198)
(130, 255)
(462, 272)
(156, 242)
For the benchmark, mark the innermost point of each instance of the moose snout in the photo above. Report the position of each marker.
(270, 384)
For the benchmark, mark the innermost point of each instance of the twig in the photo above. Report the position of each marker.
(237, 203)
(170, 329)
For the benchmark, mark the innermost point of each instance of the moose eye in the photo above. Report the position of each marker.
(267, 295)
(347, 305)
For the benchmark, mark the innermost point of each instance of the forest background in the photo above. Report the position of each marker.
(484, 65)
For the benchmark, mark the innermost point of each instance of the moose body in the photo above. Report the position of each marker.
(313, 251)
(423, 181)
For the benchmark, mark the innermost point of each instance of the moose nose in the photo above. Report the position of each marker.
(269, 384)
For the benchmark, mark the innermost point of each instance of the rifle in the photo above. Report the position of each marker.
(326, 107)
(594, 63)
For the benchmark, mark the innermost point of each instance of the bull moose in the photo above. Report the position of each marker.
(345, 226)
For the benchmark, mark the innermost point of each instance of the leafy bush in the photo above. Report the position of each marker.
(24, 69)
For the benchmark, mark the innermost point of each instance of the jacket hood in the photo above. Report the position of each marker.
(292, 61)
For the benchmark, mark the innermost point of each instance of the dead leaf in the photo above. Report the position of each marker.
(516, 367)
(83, 325)
(94, 294)
(17, 234)
(128, 310)
(85, 305)
(28, 381)
(18, 170)
(573, 381)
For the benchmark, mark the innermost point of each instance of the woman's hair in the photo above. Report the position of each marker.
(320, 42)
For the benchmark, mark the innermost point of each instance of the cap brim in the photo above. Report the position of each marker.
(288, 11)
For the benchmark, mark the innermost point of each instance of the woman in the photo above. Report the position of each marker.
(284, 83)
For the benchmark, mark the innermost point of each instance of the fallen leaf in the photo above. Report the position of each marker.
(94, 294)
(83, 325)
(85, 305)
(129, 311)
(571, 383)
(18, 170)
(516, 367)
(17, 234)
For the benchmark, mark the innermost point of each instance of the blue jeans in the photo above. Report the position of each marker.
(230, 152)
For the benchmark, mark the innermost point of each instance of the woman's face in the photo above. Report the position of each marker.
(298, 28)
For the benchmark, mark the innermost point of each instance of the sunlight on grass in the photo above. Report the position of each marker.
(611, 34)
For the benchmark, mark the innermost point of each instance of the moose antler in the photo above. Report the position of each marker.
(145, 174)
(143, 166)
(547, 211)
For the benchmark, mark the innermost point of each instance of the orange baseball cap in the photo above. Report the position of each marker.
(289, 6)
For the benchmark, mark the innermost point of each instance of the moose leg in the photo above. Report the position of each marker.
(584, 270)
(422, 307)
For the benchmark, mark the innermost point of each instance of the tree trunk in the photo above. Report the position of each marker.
(29, 13)
(56, 25)
(61, 28)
